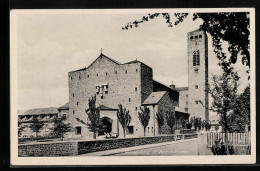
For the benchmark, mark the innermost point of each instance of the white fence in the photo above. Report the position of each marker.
(234, 138)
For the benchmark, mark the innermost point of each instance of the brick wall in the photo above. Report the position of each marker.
(48, 149)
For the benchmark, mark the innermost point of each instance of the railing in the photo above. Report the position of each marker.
(233, 138)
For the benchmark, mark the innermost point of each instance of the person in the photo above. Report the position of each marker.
(215, 147)
(222, 150)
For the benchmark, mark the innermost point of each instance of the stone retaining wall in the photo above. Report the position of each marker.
(48, 149)
(73, 148)
(93, 146)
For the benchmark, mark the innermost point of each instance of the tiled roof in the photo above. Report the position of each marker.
(181, 88)
(154, 97)
(132, 62)
(102, 107)
(178, 109)
(38, 111)
(64, 107)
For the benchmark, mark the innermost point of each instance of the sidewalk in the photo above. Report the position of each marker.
(141, 147)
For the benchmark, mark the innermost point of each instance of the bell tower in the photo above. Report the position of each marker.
(198, 74)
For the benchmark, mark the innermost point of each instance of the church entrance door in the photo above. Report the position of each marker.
(106, 125)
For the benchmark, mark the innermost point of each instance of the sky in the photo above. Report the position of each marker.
(50, 45)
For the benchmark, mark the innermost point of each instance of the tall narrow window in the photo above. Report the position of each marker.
(135, 88)
(126, 71)
(196, 58)
(129, 99)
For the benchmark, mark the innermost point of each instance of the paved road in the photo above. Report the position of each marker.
(192, 147)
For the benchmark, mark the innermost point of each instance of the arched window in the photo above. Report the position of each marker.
(196, 58)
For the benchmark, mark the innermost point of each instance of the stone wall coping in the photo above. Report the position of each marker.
(75, 141)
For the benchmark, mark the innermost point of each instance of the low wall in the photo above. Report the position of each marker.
(81, 147)
(48, 149)
(93, 146)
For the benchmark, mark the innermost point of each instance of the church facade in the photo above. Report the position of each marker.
(112, 83)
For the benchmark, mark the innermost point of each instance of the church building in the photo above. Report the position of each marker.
(132, 85)
(112, 83)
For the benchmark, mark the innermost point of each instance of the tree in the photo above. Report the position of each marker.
(170, 120)
(199, 123)
(207, 125)
(123, 117)
(203, 124)
(217, 127)
(240, 117)
(183, 123)
(196, 123)
(231, 27)
(160, 120)
(20, 128)
(224, 93)
(93, 114)
(60, 127)
(192, 121)
(36, 126)
(144, 117)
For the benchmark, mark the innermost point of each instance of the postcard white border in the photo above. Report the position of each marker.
(125, 160)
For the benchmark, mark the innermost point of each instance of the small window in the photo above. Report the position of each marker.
(196, 37)
(79, 77)
(116, 72)
(78, 130)
(135, 108)
(130, 129)
(136, 70)
(148, 129)
(196, 86)
(135, 129)
(200, 36)
(77, 103)
(135, 88)
(126, 71)
(88, 75)
(70, 78)
(102, 97)
(73, 95)
(97, 75)
(191, 37)
(186, 102)
(106, 92)
(73, 112)
(186, 109)
(106, 73)
(152, 130)
(129, 99)
(197, 102)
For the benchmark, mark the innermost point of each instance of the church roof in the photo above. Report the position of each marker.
(38, 111)
(181, 88)
(154, 97)
(103, 107)
(101, 55)
(178, 109)
(64, 107)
